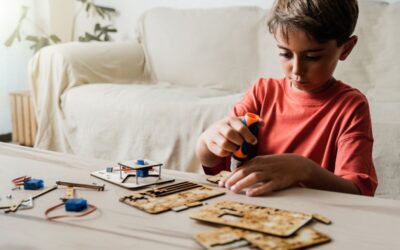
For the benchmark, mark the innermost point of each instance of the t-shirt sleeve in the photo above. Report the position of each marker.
(354, 156)
(250, 101)
(223, 165)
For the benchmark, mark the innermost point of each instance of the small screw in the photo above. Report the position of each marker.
(9, 196)
(16, 188)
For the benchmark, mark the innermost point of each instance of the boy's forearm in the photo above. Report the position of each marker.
(207, 158)
(320, 178)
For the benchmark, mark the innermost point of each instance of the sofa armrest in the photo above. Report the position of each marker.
(55, 69)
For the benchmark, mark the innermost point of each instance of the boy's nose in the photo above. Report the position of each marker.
(296, 77)
(296, 68)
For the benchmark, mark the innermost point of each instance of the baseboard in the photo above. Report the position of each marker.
(5, 137)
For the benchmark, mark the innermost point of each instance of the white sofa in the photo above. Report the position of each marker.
(153, 97)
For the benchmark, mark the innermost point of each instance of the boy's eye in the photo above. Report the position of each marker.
(285, 54)
(312, 57)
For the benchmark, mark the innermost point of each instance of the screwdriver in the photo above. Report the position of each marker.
(238, 157)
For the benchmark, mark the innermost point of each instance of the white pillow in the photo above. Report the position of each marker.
(222, 48)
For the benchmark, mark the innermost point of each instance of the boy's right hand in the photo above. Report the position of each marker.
(226, 136)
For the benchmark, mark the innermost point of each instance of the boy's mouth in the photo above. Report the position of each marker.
(297, 82)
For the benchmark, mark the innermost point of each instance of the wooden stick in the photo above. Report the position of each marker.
(72, 184)
(15, 207)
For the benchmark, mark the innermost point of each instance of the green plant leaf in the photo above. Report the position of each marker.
(88, 37)
(88, 5)
(103, 11)
(38, 42)
(32, 38)
(55, 39)
(99, 11)
(97, 27)
(16, 34)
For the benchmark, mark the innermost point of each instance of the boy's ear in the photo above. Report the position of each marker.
(348, 47)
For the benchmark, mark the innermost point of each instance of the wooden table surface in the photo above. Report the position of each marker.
(358, 222)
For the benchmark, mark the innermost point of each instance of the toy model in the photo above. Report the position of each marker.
(133, 174)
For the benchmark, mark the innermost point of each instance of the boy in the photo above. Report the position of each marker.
(316, 130)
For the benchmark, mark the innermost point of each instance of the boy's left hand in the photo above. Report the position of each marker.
(264, 174)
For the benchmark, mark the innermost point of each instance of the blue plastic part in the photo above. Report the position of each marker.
(75, 205)
(140, 162)
(33, 184)
(142, 172)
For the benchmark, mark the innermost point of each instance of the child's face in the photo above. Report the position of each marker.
(308, 64)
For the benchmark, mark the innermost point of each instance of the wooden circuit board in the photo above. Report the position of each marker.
(175, 196)
(273, 221)
(230, 238)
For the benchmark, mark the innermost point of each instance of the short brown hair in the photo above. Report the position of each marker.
(322, 20)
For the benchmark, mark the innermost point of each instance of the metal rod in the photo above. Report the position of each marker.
(72, 184)
(44, 192)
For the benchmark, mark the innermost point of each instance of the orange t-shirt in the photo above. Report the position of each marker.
(332, 128)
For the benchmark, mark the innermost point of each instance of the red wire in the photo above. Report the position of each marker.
(20, 180)
(88, 211)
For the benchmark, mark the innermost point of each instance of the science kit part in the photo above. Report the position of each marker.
(177, 197)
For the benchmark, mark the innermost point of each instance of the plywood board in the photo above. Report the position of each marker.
(168, 197)
(231, 238)
(253, 217)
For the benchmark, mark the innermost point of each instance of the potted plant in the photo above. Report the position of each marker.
(20, 100)
(99, 33)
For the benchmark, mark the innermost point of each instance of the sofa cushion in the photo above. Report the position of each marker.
(222, 48)
(155, 121)
(387, 159)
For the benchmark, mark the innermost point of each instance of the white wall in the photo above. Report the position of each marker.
(13, 72)
(130, 10)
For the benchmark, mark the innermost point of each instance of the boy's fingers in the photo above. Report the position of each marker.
(231, 134)
(265, 188)
(247, 182)
(244, 131)
(217, 150)
(238, 175)
(225, 144)
(221, 183)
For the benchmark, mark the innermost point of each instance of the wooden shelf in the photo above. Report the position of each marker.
(23, 118)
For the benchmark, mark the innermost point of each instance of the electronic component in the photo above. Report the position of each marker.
(75, 205)
(33, 184)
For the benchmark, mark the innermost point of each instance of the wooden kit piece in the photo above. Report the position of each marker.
(230, 238)
(15, 207)
(216, 178)
(253, 217)
(322, 219)
(180, 195)
(127, 176)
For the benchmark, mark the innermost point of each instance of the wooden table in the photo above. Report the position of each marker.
(358, 222)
